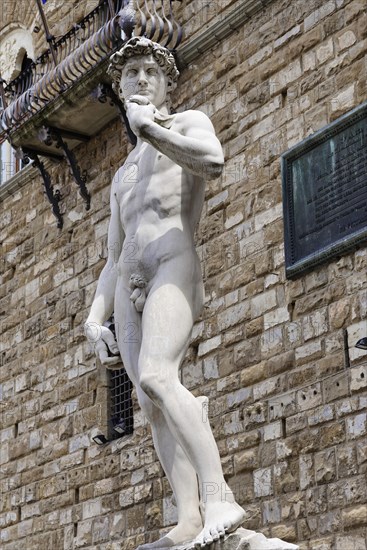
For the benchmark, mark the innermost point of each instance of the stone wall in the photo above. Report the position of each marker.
(276, 358)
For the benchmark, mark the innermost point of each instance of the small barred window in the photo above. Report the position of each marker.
(121, 404)
(120, 419)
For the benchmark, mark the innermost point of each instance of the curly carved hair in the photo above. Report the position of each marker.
(142, 46)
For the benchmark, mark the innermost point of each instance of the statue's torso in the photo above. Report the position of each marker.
(160, 206)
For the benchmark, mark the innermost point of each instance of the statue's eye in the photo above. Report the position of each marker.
(151, 71)
(132, 72)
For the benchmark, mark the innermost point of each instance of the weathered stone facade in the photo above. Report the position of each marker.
(276, 358)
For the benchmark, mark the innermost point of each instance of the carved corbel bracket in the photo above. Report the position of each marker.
(51, 135)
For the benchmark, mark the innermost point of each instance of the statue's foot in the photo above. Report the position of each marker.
(179, 535)
(220, 518)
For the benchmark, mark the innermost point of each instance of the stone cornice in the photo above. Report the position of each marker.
(219, 30)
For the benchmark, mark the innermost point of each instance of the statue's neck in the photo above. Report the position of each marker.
(164, 109)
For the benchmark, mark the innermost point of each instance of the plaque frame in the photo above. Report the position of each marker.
(296, 267)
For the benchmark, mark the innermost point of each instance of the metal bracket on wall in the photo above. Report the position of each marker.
(50, 135)
(105, 92)
(54, 197)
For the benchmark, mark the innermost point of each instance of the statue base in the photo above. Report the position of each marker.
(243, 539)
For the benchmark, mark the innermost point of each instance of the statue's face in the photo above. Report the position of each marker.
(142, 75)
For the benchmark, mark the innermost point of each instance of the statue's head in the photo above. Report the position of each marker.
(142, 64)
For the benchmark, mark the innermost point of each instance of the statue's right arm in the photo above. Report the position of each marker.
(103, 302)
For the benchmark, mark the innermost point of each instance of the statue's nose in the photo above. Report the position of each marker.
(142, 77)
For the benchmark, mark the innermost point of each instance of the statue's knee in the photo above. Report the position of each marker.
(147, 406)
(152, 388)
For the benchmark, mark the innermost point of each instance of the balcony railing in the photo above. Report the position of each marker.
(63, 47)
(81, 50)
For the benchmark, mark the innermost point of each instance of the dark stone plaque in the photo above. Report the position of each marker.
(325, 193)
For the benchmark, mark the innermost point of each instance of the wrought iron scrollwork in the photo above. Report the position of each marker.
(50, 135)
(54, 196)
(105, 92)
(154, 19)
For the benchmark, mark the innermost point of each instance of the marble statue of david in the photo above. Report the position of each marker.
(152, 278)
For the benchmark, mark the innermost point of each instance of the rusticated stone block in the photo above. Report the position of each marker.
(84, 534)
(309, 398)
(355, 517)
(263, 485)
(325, 466)
(295, 423)
(355, 542)
(325, 413)
(309, 351)
(280, 363)
(336, 386)
(319, 14)
(357, 426)
(358, 378)
(271, 431)
(282, 406)
(331, 435)
(246, 460)
(339, 312)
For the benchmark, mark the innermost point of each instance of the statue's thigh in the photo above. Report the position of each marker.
(128, 332)
(167, 322)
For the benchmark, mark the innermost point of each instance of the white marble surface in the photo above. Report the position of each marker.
(244, 539)
(153, 281)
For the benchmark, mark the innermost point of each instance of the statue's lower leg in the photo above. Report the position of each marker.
(221, 513)
(183, 480)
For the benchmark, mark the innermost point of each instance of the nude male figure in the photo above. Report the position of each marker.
(152, 278)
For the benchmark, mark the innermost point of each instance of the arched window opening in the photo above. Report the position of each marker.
(16, 52)
(16, 56)
(26, 63)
